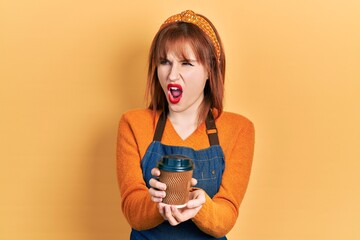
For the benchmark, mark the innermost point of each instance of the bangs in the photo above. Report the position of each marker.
(175, 38)
(178, 47)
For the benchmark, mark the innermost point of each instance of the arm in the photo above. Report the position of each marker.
(139, 210)
(218, 215)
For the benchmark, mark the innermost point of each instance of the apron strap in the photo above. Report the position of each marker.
(160, 126)
(211, 129)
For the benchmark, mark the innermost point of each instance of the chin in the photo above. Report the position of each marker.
(176, 107)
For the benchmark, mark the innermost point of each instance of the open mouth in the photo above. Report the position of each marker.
(174, 93)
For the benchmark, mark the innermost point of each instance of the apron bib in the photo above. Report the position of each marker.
(209, 167)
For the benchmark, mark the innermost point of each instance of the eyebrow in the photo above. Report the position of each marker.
(180, 60)
(189, 60)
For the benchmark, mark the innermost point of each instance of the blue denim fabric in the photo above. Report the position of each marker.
(209, 167)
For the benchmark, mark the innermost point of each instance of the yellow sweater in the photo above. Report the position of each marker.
(218, 215)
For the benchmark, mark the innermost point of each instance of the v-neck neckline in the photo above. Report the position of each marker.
(201, 128)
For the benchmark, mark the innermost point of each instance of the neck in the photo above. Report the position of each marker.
(184, 123)
(184, 118)
(187, 117)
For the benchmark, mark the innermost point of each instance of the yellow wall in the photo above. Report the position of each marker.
(69, 69)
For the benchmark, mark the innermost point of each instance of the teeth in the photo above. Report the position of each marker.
(175, 91)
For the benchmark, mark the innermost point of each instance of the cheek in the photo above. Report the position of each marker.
(200, 82)
(196, 88)
(162, 73)
(159, 73)
(162, 81)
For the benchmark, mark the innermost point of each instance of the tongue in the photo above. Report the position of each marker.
(175, 96)
(175, 93)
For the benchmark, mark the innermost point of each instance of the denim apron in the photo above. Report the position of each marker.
(209, 167)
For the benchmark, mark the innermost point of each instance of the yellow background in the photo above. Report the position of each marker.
(69, 69)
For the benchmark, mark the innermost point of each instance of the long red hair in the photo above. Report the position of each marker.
(174, 36)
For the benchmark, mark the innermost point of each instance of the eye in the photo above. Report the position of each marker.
(164, 62)
(187, 63)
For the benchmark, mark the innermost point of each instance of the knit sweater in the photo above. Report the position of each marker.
(218, 214)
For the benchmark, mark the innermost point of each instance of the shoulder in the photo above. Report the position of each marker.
(236, 133)
(232, 126)
(138, 120)
(234, 120)
(138, 125)
(137, 116)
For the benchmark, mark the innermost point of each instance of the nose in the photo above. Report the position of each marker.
(174, 73)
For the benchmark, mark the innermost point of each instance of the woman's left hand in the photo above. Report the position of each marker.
(177, 215)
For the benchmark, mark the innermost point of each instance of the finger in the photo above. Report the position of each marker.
(155, 172)
(197, 200)
(156, 200)
(195, 203)
(169, 216)
(156, 184)
(176, 214)
(156, 196)
(161, 210)
(193, 182)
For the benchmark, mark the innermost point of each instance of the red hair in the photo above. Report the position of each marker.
(175, 36)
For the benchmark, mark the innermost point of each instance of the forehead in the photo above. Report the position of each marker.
(182, 46)
(181, 50)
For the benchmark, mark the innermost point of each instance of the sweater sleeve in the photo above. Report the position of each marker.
(218, 215)
(139, 210)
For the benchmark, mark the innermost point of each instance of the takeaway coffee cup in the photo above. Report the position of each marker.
(176, 172)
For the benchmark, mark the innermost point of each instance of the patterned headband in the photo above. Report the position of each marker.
(191, 17)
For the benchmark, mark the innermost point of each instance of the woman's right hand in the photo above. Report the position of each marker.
(157, 190)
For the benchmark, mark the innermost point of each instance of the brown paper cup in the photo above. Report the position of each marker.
(178, 187)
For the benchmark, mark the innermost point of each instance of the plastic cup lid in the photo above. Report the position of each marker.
(175, 163)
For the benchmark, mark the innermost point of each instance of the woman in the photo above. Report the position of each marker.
(185, 116)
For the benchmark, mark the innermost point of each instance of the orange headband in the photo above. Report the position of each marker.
(191, 17)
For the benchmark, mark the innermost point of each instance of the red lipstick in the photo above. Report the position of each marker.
(174, 93)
